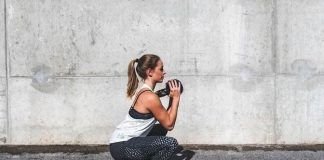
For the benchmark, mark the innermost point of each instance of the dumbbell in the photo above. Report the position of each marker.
(166, 90)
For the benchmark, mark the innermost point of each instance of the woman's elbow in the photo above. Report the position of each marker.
(169, 127)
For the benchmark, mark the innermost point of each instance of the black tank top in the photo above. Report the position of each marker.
(138, 115)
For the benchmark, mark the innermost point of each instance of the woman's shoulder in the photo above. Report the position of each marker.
(148, 93)
(148, 96)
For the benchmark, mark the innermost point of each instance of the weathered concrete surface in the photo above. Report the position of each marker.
(97, 39)
(77, 111)
(300, 109)
(300, 35)
(299, 91)
(93, 38)
(3, 81)
(3, 111)
(81, 108)
(226, 101)
(222, 36)
(2, 41)
(251, 69)
(3, 78)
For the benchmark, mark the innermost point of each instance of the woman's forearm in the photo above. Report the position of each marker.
(173, 109)
(170, 103)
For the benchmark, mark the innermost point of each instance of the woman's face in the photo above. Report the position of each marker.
(158, 72)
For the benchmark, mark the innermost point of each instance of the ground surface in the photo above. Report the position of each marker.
(198, 155)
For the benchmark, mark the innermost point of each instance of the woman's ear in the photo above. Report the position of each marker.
(149, 72)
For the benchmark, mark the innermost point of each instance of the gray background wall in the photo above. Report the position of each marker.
(252, 69)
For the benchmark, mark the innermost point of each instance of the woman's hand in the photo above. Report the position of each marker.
(174, 89)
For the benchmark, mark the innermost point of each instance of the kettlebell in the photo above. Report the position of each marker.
(166, 90)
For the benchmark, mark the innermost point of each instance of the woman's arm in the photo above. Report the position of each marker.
(167, 118)
(170, 103)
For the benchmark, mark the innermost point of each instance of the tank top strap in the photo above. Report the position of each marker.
(143, 89)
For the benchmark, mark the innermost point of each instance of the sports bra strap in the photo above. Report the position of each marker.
(138, 94)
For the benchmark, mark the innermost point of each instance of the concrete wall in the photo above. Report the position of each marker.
(300, 66)
(251, 68)
(3, 80)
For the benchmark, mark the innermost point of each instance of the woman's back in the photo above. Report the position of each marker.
(135, 124)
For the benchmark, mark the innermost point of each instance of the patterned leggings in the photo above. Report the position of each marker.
(155, 146)
(142, 148)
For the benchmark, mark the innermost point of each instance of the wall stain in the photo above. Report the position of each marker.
(245, 79)
(72, 38)
(115, 64)
(43, 79)
(92, 35)
(72, 69)
(304, 69)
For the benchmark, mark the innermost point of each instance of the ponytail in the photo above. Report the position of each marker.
(147, 61)
(132, 79)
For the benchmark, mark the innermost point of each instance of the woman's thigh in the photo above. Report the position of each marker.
(158, 130)
(142, 147)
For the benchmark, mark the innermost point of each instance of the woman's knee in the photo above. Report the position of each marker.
(172, 142)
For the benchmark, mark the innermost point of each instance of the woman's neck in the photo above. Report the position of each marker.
(150, 84)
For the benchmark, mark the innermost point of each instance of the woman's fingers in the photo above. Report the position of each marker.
(170, 84)
(174, 88)
(174, 85)
(178, 85)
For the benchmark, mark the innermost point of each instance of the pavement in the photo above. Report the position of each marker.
(191, 152)
(199, 155)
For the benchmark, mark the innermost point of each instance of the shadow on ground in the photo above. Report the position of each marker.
(183, 154)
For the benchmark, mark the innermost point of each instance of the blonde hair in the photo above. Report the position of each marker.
(147, 61)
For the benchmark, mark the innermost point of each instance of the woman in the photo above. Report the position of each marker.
(132, 138)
